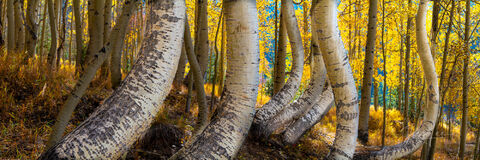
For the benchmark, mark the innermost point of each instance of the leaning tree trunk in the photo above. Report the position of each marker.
(177, 81)
(117, 38)
(10, 27)
(78, 36)
(280, 56)
(95, 27)
(223, 137)
(84, 81)
(433, 141)
(464, 127)
(53, 33)
(129, 111)
(340, 76)
(368, 73)
(416, 140)
(203, 113)
(297, 129)
(310, 97)
(31, 27)
(287, 93)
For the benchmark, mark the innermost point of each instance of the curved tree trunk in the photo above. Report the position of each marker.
(287, 93)
(10, 27)
(128, 112)
(203, 113)
(340, 76)
(309, 97)
(117, 39)
(84, 81)
(368, 72)
(31, 27)
(296, 130)
(223, 137)
(416, 140)
(78, 36)
(433, 141)
(280, 56)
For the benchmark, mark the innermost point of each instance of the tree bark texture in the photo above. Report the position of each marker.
(287, 93)
(368, 72)
(223, 137)
(425, 130)
(95, 27)
(280, 57)
(31, 27)
(464, 127)
(78, 36)
(340, 76)
(129, 111)
(53, 33)
(10, 27)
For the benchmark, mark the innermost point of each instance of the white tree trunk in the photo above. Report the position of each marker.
(303, 104)
(287, 93)
(129, 111)
(296, 130)
(223, 137)
(431, 109)
(340, 76)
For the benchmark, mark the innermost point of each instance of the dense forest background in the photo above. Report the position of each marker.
(47, 48)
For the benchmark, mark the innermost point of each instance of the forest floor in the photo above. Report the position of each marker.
(29, 103)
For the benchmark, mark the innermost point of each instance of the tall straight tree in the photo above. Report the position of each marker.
(340, 76)
(280, 56)
(416, 140)
(464, 127)
(20, 30)
(10, 27)
(127, 114)
(78, 36)
(223, 137)
(95, 27)
(407, 74)
(53, 33)
(201, 34)
(31, 27)
(368, 72)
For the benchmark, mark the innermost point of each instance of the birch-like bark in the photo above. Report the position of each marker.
(84, 81)
(10, 27)
(425, 130)
(303, 104)
(296, 130)
(368, 72)
(287, 93)
(340, 76)
(31, 27)
(129, 111)
(78, 36)
(95, 27)
(223, 137)
(201, 34)
(117, 39)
